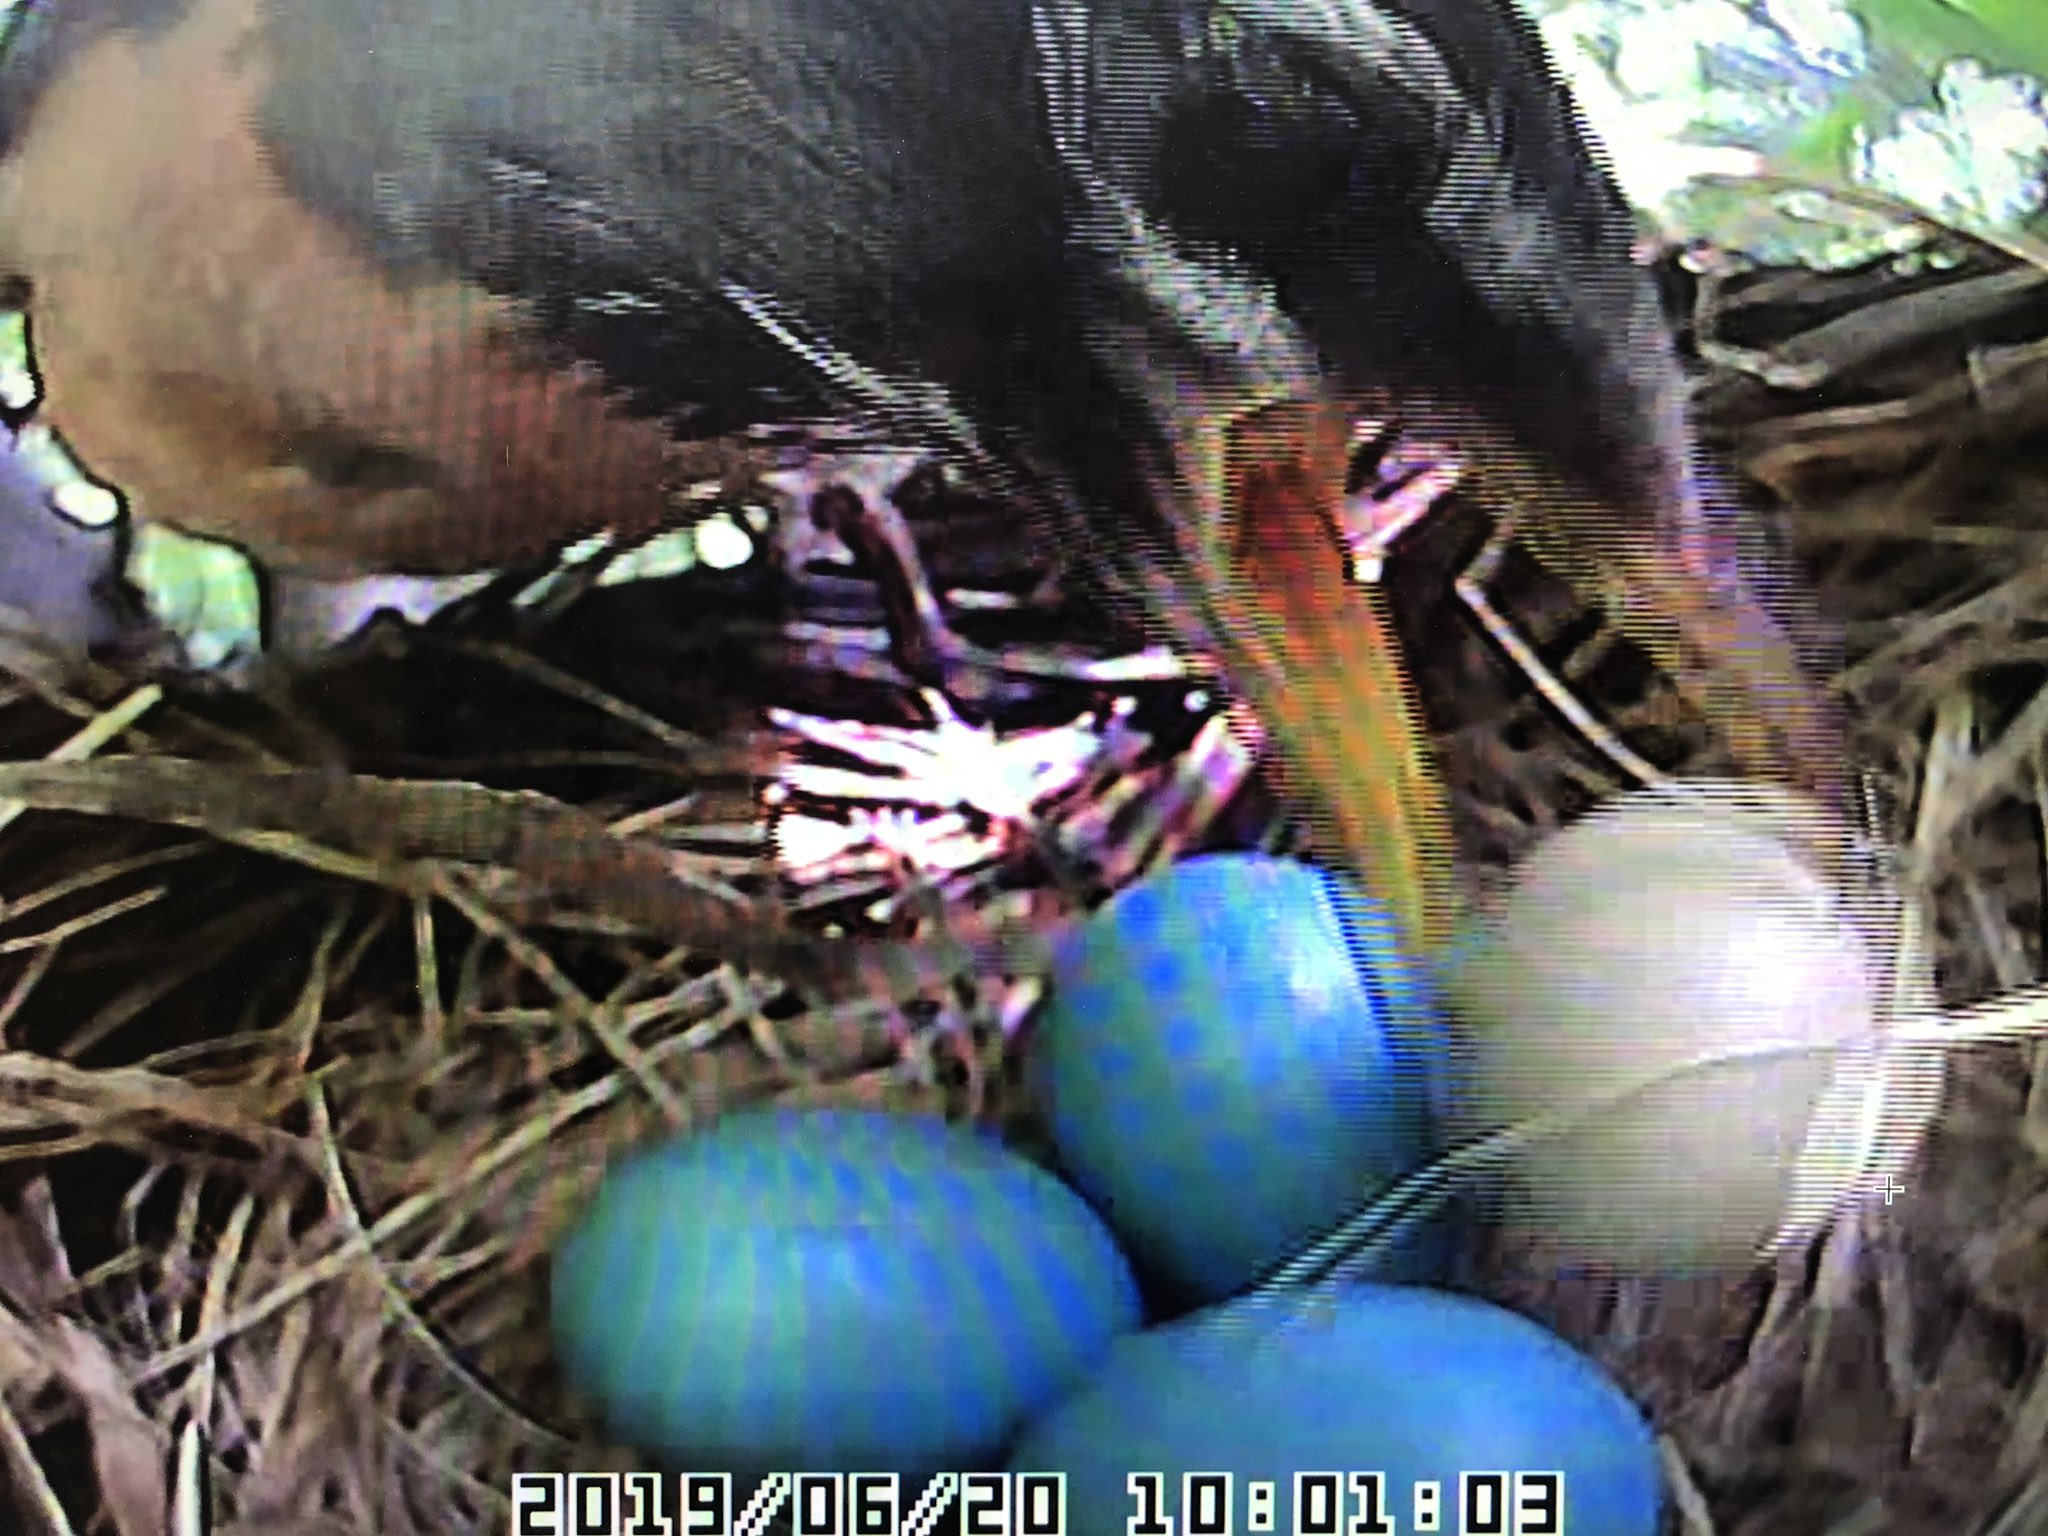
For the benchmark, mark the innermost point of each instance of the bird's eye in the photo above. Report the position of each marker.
(343, 461)
(1241, 161)
(1257, 149)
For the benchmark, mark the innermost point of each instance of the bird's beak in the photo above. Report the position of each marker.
(1315, 655)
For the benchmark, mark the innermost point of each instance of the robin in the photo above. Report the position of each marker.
(426, 286)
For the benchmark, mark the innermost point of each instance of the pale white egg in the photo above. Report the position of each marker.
(1675, 947)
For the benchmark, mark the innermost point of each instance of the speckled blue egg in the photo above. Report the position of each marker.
(833, 1290)
(1236, 1054)
(1413, 1384)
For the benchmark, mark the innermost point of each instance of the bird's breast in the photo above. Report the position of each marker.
(244, 369)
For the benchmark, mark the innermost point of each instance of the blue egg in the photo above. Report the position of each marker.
(1413, 1384)
(834, 1291)
(1236, 1054)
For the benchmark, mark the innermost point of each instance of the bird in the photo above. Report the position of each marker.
(428, 286)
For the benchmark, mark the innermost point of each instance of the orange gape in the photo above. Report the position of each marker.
(1323, 667)
(1315, 653)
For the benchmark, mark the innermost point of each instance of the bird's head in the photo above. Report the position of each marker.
(1361, 199)
(1289, 214)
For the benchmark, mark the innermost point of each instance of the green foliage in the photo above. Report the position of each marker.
(1935, 105)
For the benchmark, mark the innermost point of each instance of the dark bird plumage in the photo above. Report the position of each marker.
(429, 284)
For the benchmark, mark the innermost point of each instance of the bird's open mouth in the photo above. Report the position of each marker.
(1312, 648)
(1316, 653)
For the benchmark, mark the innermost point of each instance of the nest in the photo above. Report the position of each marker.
(306, 1070)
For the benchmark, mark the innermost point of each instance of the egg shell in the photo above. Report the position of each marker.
(1224, 1080)
(1410, 1383)
(832, 1290)
(1661, 930)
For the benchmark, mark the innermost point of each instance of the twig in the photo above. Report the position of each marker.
(1471, 591)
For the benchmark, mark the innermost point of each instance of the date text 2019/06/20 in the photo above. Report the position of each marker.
(1334, 1503)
